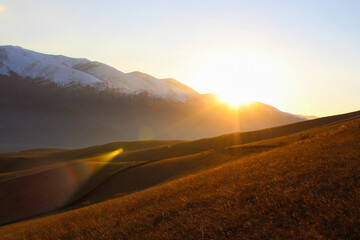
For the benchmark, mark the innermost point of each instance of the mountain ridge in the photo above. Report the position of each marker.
(36, 112)
(65, 71)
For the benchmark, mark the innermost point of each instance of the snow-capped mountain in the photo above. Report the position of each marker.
(57, 101)
(66, 71)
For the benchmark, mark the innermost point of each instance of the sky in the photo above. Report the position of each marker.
(300, 56)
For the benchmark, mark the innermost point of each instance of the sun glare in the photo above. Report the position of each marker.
(240, 78)
(235, 99)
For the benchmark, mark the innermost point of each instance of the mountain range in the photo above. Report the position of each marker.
(54, 101)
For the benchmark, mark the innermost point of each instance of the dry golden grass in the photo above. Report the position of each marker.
(308, 189)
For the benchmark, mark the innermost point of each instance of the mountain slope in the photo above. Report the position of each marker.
(308, 189)
(49, 101)
(66, 71)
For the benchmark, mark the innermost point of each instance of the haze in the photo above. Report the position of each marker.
(300, 56)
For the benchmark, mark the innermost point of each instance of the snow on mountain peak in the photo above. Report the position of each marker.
(66, 71)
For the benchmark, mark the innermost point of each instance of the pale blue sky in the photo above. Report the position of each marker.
(300, 56)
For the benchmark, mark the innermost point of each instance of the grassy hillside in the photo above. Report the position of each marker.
(156, 171)
(307, 189)
(65, 179)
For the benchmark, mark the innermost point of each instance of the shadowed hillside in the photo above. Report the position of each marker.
(307, 189)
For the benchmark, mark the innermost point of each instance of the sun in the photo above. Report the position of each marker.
(236, 99)
(240, 78)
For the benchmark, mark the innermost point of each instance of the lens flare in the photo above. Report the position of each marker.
(110, 156)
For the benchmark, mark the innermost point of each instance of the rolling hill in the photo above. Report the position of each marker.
(59, 180)
(303, 185)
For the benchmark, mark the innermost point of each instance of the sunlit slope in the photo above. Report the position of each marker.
(308, 189)
(158, 168)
